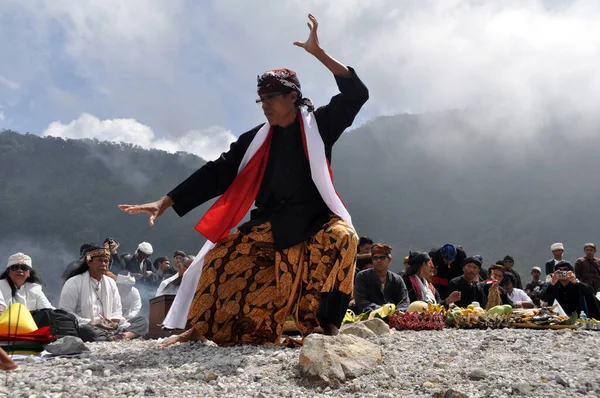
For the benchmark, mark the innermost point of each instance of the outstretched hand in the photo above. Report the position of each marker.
(154, 209)
(311, 45)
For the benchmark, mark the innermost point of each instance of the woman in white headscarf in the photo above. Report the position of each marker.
(19, 283)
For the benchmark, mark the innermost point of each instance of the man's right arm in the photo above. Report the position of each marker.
(212, 179)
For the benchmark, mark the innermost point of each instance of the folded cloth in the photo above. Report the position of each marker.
(41, 336)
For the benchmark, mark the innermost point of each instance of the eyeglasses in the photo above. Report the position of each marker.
(22, 267)
(268, 97)
(379, 258)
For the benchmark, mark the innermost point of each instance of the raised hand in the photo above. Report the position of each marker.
(311, 45)
(154, 209)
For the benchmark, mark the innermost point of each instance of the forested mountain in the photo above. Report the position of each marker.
(494, 185)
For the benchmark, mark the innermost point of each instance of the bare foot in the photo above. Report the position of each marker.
(330, 330)
(188, 335)
(129, 335)
(6, 363)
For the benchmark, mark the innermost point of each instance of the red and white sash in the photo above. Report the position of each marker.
(233, 205)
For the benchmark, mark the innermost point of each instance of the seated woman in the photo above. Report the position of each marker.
(93, 297)
(417, 278)
(19, 283)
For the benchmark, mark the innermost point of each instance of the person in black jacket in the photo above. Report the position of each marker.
(140, 266)
(571, 294)
(296, 227)
(509, 263)
(447, 261)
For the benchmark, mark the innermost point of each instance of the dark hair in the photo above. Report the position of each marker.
(362, 241)
(160, 260)
(107, 240)
(84, 265)
(362, 260)
(33, 278)
(84, 248)
(508, 277)
(415, 262)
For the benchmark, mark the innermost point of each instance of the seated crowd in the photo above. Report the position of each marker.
(107, 292)
(103, 290)
(447, 275)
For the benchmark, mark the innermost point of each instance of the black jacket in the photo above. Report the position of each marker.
(573, 297)
(287, 197)
(368, 294)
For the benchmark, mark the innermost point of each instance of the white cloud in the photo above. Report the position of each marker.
(179, 65)
(9, 83)
(208, 143)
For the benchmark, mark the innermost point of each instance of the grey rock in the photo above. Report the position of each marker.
(562, 381)
(210, 376)
(149, 391)
(87, 372)
(357, 329)
(477, 375)
(338, 357)
(522, 389)
(67, 345)
(377, 326)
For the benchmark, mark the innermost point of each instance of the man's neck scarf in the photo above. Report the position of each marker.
(233, 205)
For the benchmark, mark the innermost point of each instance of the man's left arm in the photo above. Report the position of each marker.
(339, 114)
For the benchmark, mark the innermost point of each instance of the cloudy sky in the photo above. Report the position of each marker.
(180, 75)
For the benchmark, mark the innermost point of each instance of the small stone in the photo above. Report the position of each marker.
(391, 371)
(149, 391)
(261, 395)
(523, 389)
(240, 371)
(562, 381)
(210, 376)
(107, 372)
(477, 375)
(87, 372)
(428, 384)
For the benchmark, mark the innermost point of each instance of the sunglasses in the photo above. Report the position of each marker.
(22, 267)
(379, 258)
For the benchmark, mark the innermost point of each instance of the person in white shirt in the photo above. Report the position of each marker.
(517, 296)
(94, 299)
(19, 283)
(131, 301)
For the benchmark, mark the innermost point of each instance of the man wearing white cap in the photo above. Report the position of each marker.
(557, 251)
(139, 264)
(19, 283)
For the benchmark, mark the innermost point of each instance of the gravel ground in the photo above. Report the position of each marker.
(492, 363)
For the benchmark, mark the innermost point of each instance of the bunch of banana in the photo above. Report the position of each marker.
(475, 318)
(382, 312)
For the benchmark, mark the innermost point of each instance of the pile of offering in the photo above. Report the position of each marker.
(542, 317)
(382, 312)
(419, 316)
(477, 318)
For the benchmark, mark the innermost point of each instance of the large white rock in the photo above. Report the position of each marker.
(341, 357)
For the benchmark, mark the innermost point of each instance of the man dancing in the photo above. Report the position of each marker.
(296, 256)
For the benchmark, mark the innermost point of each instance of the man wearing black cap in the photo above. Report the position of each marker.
(467, 284)
(509, 263)
(571, 294)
